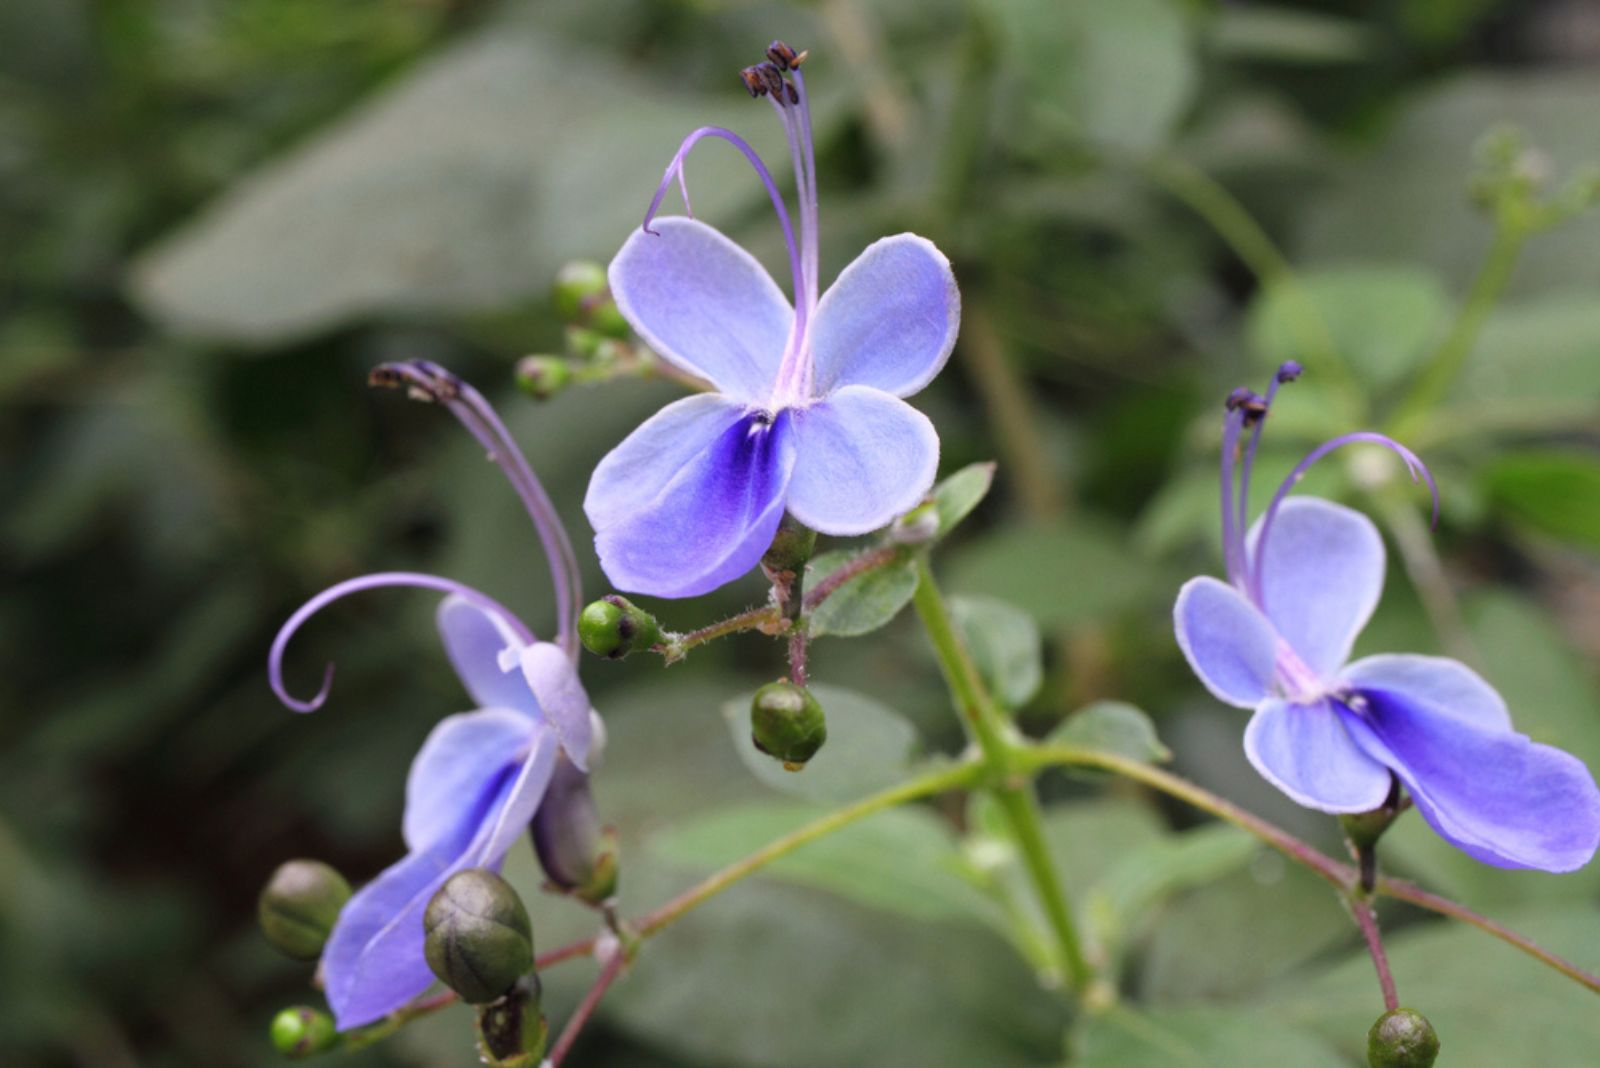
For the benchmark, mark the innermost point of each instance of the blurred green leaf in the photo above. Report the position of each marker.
(1062, 574)
(1144, 878)
(1087, 838)
(1120, 74)
(1491, 1004)
(1557, 493)
(956, 496)
(869, 748)
(864, 603)
(803, 979)
(1113, 727)
(903, 860)
(1381, 319)
(1005, 644)
(1275, 34)
(1211, 1037)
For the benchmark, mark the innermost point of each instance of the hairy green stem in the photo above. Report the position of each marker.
(989, 729)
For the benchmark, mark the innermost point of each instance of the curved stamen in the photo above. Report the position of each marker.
(808, 199)
(1418, 470)
(356, 585)
(1233, 556)
(1288, 371)
(479, 417)
(675, 170)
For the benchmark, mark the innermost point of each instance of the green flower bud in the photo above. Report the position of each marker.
(542, 377)
(787, 723)
(303, 1032)
(577, 854)
(299, 906)
(614, 626)
(916, 527)
(1402, 1038)
(582, 296)
(479, 941)
(791, 547)
(512, 1031)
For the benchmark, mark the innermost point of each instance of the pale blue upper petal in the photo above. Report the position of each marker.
(553, 678)
(475, 639)
(1305, 751)
(633, 474)
(1320, 579)
(1495, 794)
(1445, 686)
(704, 304)
(1228, 642)
(888, 321)
(463, 756)
(711, 523)
(862, 458)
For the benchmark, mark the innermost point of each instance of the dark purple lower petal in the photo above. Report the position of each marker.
(712, 522)
(1495, 794)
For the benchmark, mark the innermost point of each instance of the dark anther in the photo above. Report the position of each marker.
(754, 83)
(774, 80)
(1289, 371)
(794, 64)
(782, 55)
(794, 94)
(1238, 398)
(1251, 403)
(384, 378)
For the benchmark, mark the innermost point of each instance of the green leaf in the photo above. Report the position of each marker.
(1544, 350)
(1492, 1005)
(1113, 727)
(1121, 74)
(956, 497)
(1144, 878)
(1197, 1038)
(1062, 574)
(869, 748)
(901, 860)
(1288, 35)
(1005, 644)
(1087, 838)
(864, 603)
(1557, 493)
(1382, 319)
(781, 977)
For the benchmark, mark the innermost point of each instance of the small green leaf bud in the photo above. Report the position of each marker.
(1402, 1038)
(787, 723)
(917, 527)
(582, 296)
(479, 941)
(303, 1032)
(614, 626)
(542, 377)
(512, 1030)
(299, 906)
(791, 547)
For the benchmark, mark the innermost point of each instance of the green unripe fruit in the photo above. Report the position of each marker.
(542, 377)
(299, 906)
(787, 723)
(614, 626)
(303, 1032)
(1402, 1038)
(479, 941)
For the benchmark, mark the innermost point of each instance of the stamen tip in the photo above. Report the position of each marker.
(782, 56)
(1289, 370)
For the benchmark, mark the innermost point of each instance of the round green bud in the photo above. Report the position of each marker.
(478, 938)
(303, 1032)
(787, 723)
(299, 906)
(582, 295)
(1402, 1038)
(614, 626)
(542, 377)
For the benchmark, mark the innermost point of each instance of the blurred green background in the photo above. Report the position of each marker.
(216, 215)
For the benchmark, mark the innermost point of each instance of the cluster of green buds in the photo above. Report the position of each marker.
(598, 339)
(1512, 182)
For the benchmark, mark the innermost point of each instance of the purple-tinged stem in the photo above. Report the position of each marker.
(585, 1009)
(675, 170)
(357, 585)
(1419, 472)
(1367, 920)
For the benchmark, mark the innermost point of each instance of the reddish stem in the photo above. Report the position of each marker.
(1367, 920)
(591, 1001)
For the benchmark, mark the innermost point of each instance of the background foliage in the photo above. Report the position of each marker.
(217, 214)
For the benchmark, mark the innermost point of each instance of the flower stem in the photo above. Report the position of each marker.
(585, 1009)
(1367, 920)
(988, 728)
